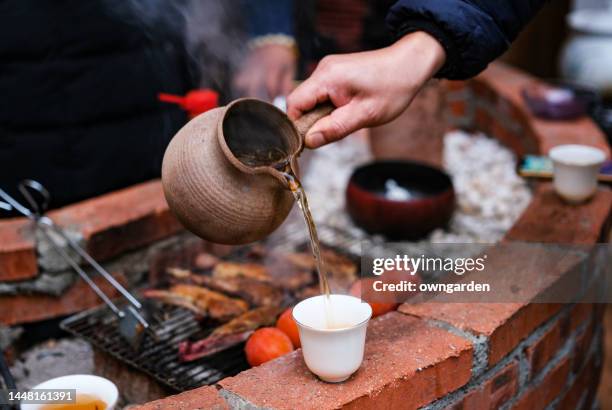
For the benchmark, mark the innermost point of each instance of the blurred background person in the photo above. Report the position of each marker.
(79, 81)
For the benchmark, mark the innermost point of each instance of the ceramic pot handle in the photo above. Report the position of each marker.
(307, 120)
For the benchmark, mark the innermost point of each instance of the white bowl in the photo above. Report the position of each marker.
(575, 170)
(99, 387)
(333, 354)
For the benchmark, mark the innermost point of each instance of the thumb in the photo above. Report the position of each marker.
(335, 126)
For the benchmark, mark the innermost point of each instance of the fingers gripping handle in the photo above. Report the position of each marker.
(306, 121)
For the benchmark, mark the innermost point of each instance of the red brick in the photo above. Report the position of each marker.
(496, 391)
(579, 131)
(579, 314)
(506, 324)
(458, 108)
(508, 138)
(507, 111)
(31, 308)
(121, 220)
(483, 121)
(550, 220)
(504, 339)
(540, 395)
(483, 91)
(454, 85)
(508, 83)
(545, 347)
(17, 250)
(593, 387)
(581, 350)
(204, 398)
(581, 385)
(407, 364)
(599, 311)
(110, 224)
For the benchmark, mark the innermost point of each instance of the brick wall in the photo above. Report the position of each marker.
(123, 229)
(463, 356)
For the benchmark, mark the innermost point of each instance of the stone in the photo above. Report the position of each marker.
(8, 335)
(45, 283)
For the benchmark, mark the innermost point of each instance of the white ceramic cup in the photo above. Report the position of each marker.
(575, 169)
(333, 354)
(99, 387)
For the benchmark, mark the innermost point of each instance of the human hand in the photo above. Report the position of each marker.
(369, 88)
(268, 71)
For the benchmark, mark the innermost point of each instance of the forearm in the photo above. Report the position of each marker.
(418, 56)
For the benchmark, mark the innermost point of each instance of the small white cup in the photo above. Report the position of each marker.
(333, 354)
(575, 169)
(99, 387)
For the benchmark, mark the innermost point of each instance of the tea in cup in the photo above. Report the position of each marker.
(332, 334)
(92, 392)
(575, 170)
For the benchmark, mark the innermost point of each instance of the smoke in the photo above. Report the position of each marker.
(210, 31)
(215, 39)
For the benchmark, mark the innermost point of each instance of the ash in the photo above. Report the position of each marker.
(53, 358)
(490, 195)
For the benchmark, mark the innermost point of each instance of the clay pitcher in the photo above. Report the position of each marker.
(222, 172)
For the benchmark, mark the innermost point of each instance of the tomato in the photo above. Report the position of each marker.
(266, 344)
(286, 323)
(378, 308)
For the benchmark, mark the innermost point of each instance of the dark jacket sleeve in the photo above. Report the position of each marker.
(268, 17)
(472, 32)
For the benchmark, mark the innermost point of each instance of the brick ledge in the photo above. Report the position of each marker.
(107, 226)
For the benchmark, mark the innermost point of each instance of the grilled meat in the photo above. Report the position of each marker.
(225, 270)
(205, 261)
(342, 270)
(201, 300)
(230, 334)
(251, 320)
(257, 293)
(179, 273)
(291, 271)
(189, 352)
(301, 260)
(218, 305)
(293, 280)
(308, 292)
(257, 251)
(296, 271)
(165, 296)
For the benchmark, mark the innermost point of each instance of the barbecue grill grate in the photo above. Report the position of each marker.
(158, 358)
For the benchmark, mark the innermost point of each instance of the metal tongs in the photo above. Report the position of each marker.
(132, 323)
(9, 381)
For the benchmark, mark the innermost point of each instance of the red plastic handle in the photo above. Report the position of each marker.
(195, 102)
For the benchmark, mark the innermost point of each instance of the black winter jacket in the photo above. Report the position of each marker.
(78, 95)
(472, 32)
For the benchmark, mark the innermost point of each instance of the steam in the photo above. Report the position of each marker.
(211, 32)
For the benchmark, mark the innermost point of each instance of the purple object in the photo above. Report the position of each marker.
(556, 102)
(606, 168)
